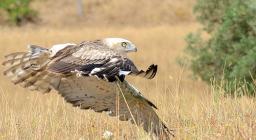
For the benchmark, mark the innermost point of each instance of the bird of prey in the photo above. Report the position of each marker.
(89, 75)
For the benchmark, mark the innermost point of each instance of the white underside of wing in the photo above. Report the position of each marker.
(124, 72)
(95, 70)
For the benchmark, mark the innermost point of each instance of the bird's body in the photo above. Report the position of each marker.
(90, 75)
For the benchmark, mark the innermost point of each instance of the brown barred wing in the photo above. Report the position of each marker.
(116, 99)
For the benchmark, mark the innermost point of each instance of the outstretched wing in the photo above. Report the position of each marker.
(116, 98)
(93, 59)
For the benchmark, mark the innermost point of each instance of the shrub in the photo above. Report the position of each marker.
(18, 11)
(229, 54)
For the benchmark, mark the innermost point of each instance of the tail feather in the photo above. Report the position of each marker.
(15, 69)
(27, 68)
(36, 81)
(42, 83)
(16, 61)
(21, 76)
(35, 49)
(33, 79)
(16, 55)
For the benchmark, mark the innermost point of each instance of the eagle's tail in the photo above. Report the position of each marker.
(26, 68)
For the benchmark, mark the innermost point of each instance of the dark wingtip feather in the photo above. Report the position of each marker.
(152, 68)
(167, 131)
(151, 104)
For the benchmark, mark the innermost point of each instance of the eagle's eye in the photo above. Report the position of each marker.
(124, 44)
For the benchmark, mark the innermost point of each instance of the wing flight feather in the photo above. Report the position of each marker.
(101, 96)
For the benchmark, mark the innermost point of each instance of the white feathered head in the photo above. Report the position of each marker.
(120, 44)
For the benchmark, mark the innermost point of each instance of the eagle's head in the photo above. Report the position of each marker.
(120, 44)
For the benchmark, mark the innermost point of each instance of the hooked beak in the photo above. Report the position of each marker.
(131, 49)
(135, 50)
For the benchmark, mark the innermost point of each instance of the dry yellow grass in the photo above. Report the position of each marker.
(115, 12)
(192, 109)
(112, 12)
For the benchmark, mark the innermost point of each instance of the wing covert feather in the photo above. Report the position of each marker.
(90, 56)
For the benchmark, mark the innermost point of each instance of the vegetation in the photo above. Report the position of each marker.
(188, 107)
(115, 12)
(229, 54)
(18, 11)
(193, 109)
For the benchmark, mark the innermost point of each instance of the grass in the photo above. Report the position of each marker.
(111, 12)
(192, 109)
(115, 12)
